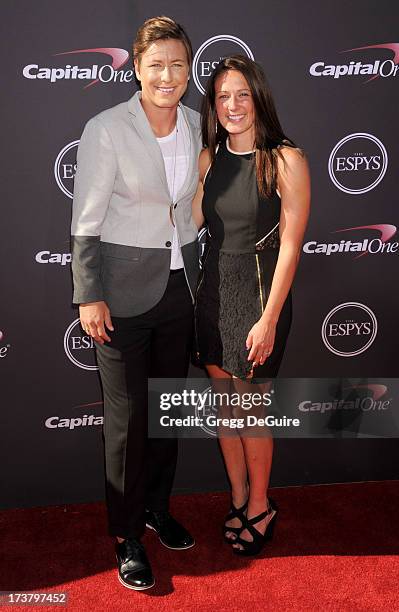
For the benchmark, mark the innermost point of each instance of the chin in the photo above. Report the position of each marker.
(235, 129)
(168, 99)
(167, 103)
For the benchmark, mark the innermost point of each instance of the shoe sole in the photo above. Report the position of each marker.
(135, 588)
(129, 586)
(166, 545)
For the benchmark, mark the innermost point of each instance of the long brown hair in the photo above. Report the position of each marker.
(269, 134)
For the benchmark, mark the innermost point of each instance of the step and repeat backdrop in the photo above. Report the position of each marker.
(334, 71)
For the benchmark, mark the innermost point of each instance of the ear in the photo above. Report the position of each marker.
(137, 69)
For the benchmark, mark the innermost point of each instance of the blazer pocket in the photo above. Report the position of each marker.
(121, 271)
(120, 251)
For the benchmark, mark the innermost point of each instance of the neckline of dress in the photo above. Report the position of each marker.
(237, 152)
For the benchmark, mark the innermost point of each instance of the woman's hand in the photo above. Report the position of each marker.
(94, 317)
(261, 341)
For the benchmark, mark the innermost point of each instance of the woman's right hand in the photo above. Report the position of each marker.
(94, 317)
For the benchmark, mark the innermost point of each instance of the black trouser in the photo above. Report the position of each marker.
(140, 470)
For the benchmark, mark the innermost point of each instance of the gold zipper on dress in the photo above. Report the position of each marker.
(260, 282)
(195, 303)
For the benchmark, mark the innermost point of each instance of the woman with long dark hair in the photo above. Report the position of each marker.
(254, 195)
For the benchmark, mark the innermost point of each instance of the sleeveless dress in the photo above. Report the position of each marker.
(238, 264)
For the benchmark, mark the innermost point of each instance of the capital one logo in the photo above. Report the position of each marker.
(79, 348)
(71, 423)
(4, 348)
(211, 52)
(377, 390)
(374, 67)
(94, 73)
(358, 163)
(365, 397)
(65, 168)
(358, 247)
(349, 329)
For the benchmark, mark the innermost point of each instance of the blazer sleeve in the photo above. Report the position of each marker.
(93, 187)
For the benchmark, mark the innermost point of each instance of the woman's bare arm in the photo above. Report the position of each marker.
(294, 188)
(203, 164)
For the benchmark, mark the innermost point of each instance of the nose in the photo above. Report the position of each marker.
(166, 75)
(232, 104)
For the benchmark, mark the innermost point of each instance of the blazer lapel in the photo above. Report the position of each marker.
(143, 127)
(192, 157)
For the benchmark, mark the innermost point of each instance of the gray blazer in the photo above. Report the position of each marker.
(121, 222)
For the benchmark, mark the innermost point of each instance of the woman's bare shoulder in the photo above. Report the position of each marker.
(290, 153)
(291, 159)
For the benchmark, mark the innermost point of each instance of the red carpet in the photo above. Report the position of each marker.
(335, 548)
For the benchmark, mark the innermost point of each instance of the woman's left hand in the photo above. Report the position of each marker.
(261, 341)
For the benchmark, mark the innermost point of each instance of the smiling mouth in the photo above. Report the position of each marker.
(166, 90)
(235, 118)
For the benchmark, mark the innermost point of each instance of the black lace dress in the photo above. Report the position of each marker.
(237, 267)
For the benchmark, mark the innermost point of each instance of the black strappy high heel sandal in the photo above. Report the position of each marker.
(258, 539)
(234, 513)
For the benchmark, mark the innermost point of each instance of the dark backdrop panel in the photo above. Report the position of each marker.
(46, 375)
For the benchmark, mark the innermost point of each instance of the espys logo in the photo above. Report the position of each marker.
(4, 348)
(211, 52)
(349, 329)
(204, 409)
(105, 74)
(202, 242)
(354, 68)
(79, 348)
(358, 163)
(367, 398)
(359, 248)
(65, 168)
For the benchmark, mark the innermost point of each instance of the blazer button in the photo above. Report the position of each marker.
(168, 244)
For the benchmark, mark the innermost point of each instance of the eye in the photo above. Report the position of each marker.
(244, 94)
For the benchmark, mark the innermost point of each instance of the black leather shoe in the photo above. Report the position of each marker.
(170, 532)
(134, 570)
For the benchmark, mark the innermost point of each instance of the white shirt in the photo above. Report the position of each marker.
(175, 151)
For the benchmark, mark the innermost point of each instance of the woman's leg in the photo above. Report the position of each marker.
(258, 453)
(231, 447)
